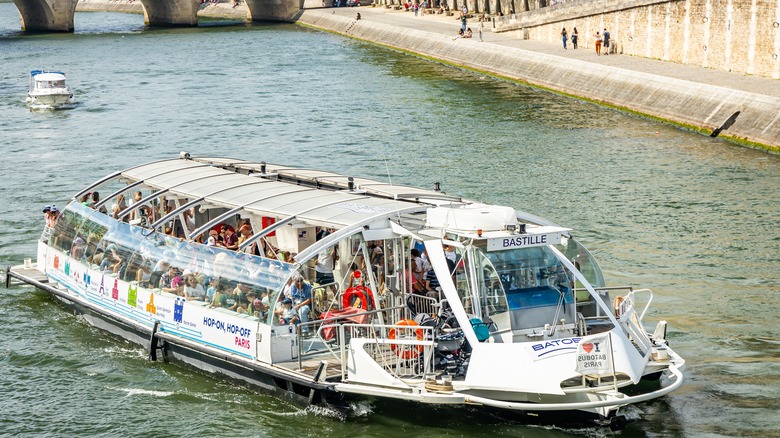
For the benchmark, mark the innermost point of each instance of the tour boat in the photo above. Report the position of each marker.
(48, 89)
(415, 294)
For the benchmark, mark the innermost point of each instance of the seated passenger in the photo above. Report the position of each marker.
(171, 280)
(111, 261)
(300, 292)
(193, 291)
(258, 309)
(288, 315)
(143, 275)
(211, 290)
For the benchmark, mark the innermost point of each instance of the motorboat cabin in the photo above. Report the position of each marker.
(332, 287)
(48, 89)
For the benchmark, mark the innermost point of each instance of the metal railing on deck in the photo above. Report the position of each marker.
(404, 351)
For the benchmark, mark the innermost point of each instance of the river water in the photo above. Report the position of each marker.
(696, 219)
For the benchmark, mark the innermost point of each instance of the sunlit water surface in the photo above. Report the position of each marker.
(693, 218)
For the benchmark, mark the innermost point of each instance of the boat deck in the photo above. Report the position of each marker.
(17, 275)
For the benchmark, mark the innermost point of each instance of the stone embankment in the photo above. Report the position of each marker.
(743, 109)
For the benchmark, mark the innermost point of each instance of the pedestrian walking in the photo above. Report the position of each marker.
(574, 37)
(598, 43)
(606, 41)
(463, 23)
(564, 37)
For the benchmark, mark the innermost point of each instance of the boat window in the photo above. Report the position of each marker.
(67, 227)
(582, 259)
(133, 253)
(530, 283)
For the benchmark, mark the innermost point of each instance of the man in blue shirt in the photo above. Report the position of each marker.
(300, 292)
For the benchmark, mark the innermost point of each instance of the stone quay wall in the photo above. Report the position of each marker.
(733, 35)
(701, 107)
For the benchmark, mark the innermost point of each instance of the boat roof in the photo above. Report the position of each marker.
(295, 195)
(311, 196)
(46, 75)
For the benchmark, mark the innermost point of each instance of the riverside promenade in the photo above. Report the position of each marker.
(747, 108)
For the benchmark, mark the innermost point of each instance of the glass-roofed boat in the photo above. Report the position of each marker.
(330, 288)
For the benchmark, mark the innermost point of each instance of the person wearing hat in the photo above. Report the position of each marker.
(288, 315)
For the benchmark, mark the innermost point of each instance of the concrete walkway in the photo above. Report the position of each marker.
(449, 26)
(658, 86)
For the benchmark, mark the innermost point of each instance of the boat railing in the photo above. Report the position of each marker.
(327, 335)
(405, 352)
(626, 312)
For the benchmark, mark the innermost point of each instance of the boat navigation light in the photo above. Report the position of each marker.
(437, 186)
(521, 229)
(184, 155)
(262, 167)
(511, 228)
(351, 183)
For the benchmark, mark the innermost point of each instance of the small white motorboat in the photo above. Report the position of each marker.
(48, 89)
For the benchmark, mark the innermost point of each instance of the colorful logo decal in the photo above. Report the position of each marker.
(56, 262)
(150, 307)
(87, 279)
(67, 267)
(178, 309)
(132, 295)
(102, 289)
(115, 290)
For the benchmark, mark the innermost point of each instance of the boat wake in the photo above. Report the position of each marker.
(137, 391)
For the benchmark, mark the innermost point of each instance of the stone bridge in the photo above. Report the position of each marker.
(57, 15)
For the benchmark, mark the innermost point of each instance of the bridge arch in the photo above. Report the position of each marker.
(57, 15)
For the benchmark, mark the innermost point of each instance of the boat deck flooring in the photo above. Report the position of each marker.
(13, 273)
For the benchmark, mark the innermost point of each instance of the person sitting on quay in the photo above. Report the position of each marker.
(468, 33)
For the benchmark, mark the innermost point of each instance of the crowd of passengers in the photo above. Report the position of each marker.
(294, 304)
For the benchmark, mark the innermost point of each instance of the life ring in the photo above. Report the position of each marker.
(407, 353)
(359, 295)
(616, 304)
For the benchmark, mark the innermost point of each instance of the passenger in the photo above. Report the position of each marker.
(211, 290)
(231, 239)
(300, 291)
(231, 300)
(193, 291)
(258, 309)
(95, 201)
(326, 261)
(219, 299)
(288, 315)
(111, 261)
(216, 238)
(167, 279)
(355, 276)
(119, 206)
(143, 275)
(432, 286)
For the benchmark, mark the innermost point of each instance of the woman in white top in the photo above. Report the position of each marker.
(193, 291)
